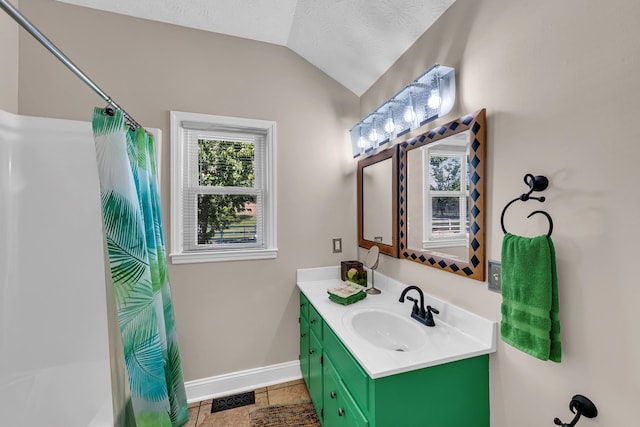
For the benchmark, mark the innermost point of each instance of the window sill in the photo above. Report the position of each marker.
(223, 256)
(443, 244)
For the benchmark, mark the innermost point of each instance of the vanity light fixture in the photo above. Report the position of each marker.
(428, 97)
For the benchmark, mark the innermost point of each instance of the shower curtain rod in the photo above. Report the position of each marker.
(31, 29)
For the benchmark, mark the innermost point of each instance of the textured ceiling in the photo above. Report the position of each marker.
(353, 41)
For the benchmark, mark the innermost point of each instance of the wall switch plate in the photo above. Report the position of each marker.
(495, 270)
(337, 246)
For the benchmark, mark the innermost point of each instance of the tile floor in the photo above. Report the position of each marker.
(200, 412)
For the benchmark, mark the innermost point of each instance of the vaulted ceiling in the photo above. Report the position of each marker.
(353, 41)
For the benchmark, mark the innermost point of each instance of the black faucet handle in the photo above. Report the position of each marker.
(429, 317)
(415, 309)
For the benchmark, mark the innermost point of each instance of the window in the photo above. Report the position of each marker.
(223, 202)
(446, 176)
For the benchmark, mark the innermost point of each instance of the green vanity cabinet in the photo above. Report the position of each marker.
(453, 394)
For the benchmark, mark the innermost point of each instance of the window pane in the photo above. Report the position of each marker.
(444, 173)
(226, 219)
(446, 215)
(226, 163)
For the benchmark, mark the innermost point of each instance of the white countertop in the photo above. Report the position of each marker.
(458, 334)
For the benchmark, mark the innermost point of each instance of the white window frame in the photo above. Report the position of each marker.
(179, 161)
(431, 240)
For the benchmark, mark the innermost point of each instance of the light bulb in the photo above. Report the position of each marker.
(434, 100)
(389, 123)
(373, 133)
(409, 112)
(361, 142)
(389, 126)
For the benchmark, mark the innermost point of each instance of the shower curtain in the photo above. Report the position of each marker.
(135, 243)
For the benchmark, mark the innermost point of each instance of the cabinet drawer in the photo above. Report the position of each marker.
(339, 407)
(348, 410)
(354, 377)
(315, 322)
(304, 306)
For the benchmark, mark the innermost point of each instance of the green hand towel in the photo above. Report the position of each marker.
(530, 306)
(347, 301)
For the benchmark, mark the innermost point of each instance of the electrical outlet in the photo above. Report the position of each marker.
(337, 246)
(495, 270)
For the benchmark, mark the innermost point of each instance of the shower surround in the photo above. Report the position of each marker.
(55, 358)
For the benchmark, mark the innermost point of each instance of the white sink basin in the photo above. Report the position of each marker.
(386, 329)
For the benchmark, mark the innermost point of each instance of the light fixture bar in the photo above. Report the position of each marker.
(428, 97)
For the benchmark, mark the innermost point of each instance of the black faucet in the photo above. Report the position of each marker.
(419, 313)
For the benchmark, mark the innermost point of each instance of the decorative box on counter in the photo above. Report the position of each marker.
(353, 271)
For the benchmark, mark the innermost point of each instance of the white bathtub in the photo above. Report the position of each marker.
(54, 344)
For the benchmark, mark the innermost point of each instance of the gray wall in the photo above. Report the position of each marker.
(559, 81)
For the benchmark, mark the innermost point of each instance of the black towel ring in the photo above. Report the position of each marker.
(535, 183)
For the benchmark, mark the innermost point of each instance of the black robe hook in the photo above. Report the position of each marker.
(579, 405)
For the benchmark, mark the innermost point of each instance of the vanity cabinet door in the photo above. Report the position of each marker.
(304, 349)
(303, 321)
(315, 384)
(340, 410)
(311, 349)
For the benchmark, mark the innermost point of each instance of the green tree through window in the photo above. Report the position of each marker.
(225, 164)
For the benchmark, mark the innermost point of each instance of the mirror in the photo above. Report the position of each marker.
(378, 201)
(441, 181)
(372, 258)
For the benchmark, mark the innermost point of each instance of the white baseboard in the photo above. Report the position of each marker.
(238, 382)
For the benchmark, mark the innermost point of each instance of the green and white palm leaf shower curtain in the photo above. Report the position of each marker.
(135, 242)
